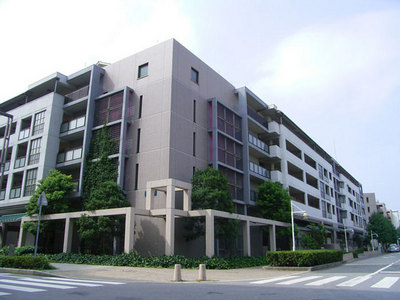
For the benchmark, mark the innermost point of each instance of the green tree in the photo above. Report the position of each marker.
(56, 187)
(315, 238)
(383, 227)
(273, 201)
(210, 191)
(100, 191)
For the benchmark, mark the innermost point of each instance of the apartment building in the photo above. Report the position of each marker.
(370, 204)
(169, 114)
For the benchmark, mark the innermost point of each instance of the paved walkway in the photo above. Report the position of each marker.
(162, 275)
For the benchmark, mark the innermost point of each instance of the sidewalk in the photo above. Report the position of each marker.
(160, 274)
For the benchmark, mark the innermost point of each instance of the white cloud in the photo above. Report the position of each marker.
(349, 64)
(44, 36)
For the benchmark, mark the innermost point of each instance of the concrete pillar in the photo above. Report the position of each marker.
(129, 230)
(69, 225)
(187, 203)
(209, 234)
(272, 238)
(246, 238)
(149, 198)
(170, 232)
(21, 235)
(170, 196)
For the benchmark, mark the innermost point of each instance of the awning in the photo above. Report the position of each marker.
(11, 218)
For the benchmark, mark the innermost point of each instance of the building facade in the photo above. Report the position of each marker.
(170, 114)
(370, 204)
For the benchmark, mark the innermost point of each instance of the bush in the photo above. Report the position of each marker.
(5, 250)
(303, 258)
(133, 260)
(25, 262)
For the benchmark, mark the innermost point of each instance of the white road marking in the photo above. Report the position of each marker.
(20, 288)
(293, 281)
(390, 272)
(90, 281)
(355, 281)
(326, 280)
(54, 286)
(59, 282)
(4, 294)
(385, 283)
(272, 280)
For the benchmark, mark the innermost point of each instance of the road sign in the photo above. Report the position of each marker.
(42, 199)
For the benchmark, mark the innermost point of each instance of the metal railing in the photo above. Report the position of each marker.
(259, 170)
(253, 114)
(73, 124)
(258, 143)
(69, 155)
(23, 134)
(76, 95)
(15, 192)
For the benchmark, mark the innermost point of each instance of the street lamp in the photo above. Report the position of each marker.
(292, 212)
(345, 237)
(372, 239)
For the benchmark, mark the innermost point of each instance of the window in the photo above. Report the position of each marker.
(194, 143)
(194, 111)
(38, 124)
(229, 152)
(138, 141)
(368, 209)
(229, 122)
(108, 109)
(194, 75)
(34, 154)
(136, 176)
(143, 70)
(140, 106)
(30, 183)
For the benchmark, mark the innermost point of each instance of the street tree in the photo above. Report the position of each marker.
(210, 190)
(383, 227)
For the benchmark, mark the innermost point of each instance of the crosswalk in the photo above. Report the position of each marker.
(323, 280)
(10, 283)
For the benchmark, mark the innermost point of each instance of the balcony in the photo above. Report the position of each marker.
(23, 134)
(276, 175)
(259, 170)
(20, 162)
(273, 127)
(15, 192)
(258, 143)
(76, 95)
(69, 155)
(73, 124)
(326, 214)
(275, 151)
(255, 116)
(7, 166)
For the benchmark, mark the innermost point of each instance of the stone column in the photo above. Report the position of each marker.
(246, 239)
(21, 234)
(69, 226)
(187, 203)
(170, 232)
(129, 230)
(209, 233)
(272, 238)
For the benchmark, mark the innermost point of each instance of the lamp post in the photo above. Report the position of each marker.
(372, 239)
(292, 212)
(345, 237)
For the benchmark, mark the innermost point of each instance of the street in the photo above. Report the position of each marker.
(372, 278)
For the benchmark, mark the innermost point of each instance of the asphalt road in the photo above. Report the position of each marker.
(374, 278)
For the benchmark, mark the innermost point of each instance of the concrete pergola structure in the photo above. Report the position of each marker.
(170, 213)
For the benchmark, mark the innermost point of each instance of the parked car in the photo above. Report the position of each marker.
(393, 248)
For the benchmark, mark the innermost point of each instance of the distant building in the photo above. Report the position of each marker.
(370, 205)
(393, 216)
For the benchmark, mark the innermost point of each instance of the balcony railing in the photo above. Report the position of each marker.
(253, 114)
(23, 134)
(73, 124)
(19, 162)
(76, 95)
(69, 155)
(258, 143)
(7, 166)
(2, 194)
(15, 192)
(76, 187)
(259, 170)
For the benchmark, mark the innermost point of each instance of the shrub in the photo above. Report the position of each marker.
(5, 250)
(303, 258)
(134, 260)
(25, 262)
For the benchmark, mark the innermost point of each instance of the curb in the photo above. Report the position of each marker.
(28, 272)
(313, 268)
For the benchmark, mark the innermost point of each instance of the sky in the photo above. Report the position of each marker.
(333, 67)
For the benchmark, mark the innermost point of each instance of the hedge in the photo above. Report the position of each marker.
(303, 258)
(134, 260)
(25, 262)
